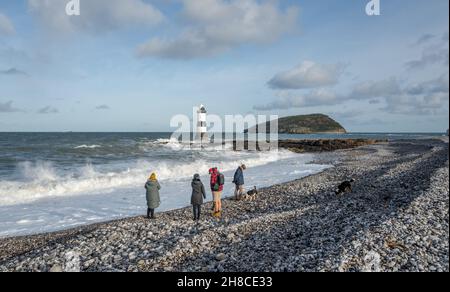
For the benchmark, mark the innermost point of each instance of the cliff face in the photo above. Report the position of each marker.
(306, 124)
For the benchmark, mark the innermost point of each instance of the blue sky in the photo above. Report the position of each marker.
(132, 65)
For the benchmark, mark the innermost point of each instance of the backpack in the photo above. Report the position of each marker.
(220, 179)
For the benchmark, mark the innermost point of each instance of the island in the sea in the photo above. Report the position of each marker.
(305, 124)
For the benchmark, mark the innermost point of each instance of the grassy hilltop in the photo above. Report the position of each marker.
(306, 124)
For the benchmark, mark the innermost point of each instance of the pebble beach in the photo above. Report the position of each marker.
(396, 219)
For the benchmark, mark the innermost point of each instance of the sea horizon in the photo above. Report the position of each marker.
(169, 132)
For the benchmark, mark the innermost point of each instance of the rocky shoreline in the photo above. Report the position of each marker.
(325, 145)
(307, 146)
(396, 219)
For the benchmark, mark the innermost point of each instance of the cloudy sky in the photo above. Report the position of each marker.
(132, 65)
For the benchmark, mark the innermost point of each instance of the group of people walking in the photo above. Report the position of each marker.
(217, 182)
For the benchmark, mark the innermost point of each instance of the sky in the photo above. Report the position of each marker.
(133, 65)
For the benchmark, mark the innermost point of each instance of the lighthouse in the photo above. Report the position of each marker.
(202, 128)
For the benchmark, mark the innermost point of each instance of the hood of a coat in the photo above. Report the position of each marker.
(196, 182)
(151, 182)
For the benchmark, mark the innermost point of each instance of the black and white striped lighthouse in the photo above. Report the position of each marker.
(202, 128)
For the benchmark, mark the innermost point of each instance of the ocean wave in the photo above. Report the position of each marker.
(87, 147)
(42, 180)
(166, 141)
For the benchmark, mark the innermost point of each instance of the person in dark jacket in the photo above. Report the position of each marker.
(238, 180)
(153, 199)
(198, 195)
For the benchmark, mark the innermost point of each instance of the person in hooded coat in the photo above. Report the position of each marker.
(153, 199)
(198, 195)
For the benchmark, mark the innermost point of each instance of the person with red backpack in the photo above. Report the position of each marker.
(217, 182)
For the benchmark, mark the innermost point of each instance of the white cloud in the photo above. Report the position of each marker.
(96, 16)
(437, 53)
(430, 104)
(288, 100)
(102, 107)
(424, 98)
(445, 37)
(48, 110)
(190, 45)
(376, 89)
(12, 54)
(6, 26)
(349, 114)
(215, 26)
(307, 75)
(437, 85)
(13, 71)
(430, 57)
(8, 107)
(424, 39)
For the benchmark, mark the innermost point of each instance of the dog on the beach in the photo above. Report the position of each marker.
(251, 195)
(345, 187)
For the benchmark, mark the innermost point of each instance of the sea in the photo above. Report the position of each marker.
(56, 181)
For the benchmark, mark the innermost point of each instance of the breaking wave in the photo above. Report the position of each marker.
(87, 147)
(41, 180)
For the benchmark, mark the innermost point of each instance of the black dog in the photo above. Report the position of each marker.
(252, 192)
(251, 195)
(345, 187)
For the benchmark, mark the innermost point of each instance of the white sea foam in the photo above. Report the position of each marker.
(41, 181)
(166, 141)
(49, 202)
(53, 194)
(87, 147)
(37, 171)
